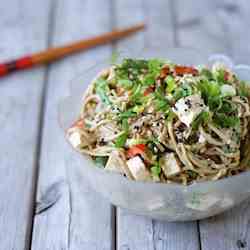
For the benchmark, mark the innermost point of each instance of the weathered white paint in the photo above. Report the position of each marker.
(79, 218)
(24, 29)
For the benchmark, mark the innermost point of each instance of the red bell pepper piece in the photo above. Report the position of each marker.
(148, 90)
(181, 70)
(137, 149)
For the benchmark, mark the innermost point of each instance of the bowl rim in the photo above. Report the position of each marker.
(107, 62)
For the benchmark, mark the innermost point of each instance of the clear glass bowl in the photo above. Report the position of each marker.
(171, 202)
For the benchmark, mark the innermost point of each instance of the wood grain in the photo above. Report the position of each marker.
(21, 96)
(76, 218)
(136, 232)
(218, 26)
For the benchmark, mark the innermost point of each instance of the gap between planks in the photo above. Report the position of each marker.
(50, 32)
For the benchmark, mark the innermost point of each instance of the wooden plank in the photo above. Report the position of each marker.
(70, 215)
(23, 30)
(136, 232)
(199, 27)
(219, 26)
(228, 231)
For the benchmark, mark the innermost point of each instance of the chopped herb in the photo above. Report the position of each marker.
(138, 109)
(127, 114)
(207, 73)
(121, 140)
(101, 87)
(226, 121)
(149, 79)
(170, 115)
(160, 101)
(178, 94)
(171, 85)
(126, 83)
(125, 125)
(154, 66)
(154, 69)
(227, 108)
(219, 76)
(214, 102)
(156, 169)
(209, 88)
(187, 90)
(202, 119)
(210, 91)
(136, 93)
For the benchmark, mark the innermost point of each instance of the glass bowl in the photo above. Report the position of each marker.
(171, 202)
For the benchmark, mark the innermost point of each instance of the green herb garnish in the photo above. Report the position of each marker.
(101, 87)
(227, 108)
(156, 169)
(125, 83)
(121, 140)
(226, 121)
(136, 93)
(206, 73)
(171, 85)
(127, 114)
(219, 76)
(202, 119)
(155, 65)
(149, 79)
(160, 101)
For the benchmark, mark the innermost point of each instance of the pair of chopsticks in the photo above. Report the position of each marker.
(53, 54)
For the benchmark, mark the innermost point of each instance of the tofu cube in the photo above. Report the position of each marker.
(75, 139)
(188, 108)
(138, 169)
(107, 132)
(170, 165)
(113, 164)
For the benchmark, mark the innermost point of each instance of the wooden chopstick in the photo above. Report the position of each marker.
(53, 54)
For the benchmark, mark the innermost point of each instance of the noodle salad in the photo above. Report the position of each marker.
(153, 120)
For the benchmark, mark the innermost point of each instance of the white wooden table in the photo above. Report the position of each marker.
(40, 207)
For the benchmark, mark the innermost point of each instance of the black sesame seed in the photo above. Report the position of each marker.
(102, 141)
(188, 103)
